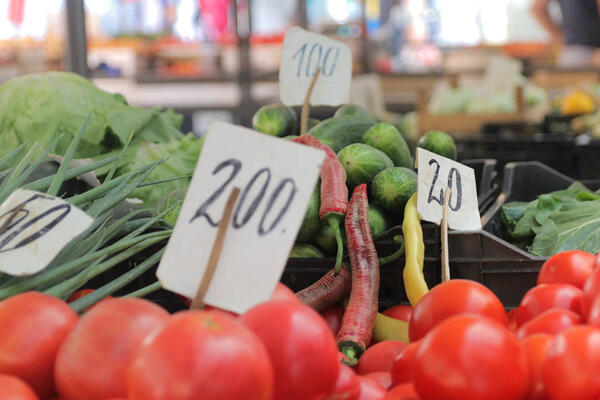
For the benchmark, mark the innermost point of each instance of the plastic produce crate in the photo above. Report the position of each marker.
(587, 160)
(485, 178)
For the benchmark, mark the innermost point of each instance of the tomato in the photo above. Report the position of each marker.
(570, 370)
(379, 357)
(470, 357)
(283, 292)
(594, 314)
(333, 317)
(546, 297)
(405, 391)
(591, 290)
(450, 298)
(383, 378)
(105, 341)
(13, 388)
(551, 322)
(401, 312)
(32, 328)
(512, 319)
(402, 368)
(201, 354)
(301, 348)
(535, 347)
(573, 267)
(347, 386)
(370, 390)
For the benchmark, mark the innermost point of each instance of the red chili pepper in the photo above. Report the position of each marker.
(328, 290)
(359, 318)
(334, 193)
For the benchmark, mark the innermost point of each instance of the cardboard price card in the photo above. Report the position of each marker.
(36, 226)
(276, 179)
(302, 55)
(435, 174)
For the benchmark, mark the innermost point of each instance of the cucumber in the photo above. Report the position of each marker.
(305, 250)
(325, 239)
(378, 220)
(439, 142)
(351, 110)
(385, 137)
(312, 122)
(311, 224)
(338, 133)
(275, 120)
(290, 137)
(392, 188)
(362, 162)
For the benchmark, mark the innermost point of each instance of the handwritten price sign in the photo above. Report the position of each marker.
(302, 55)
(276, 179)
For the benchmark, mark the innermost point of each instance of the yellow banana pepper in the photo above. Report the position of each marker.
(414, 251)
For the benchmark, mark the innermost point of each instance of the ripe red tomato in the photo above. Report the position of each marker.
(201, 354)
(551, 322)
(347, 386)
(594, 313)
(383, 378)
(402, 312)
(573, 267)
(283, 292)
(457, 296)
(33, 326)
(405, 391)
(470, 357)
(512, 319)
(379, 357)
(300, 345)
(591, 290)
(105, 341)
(13, 388)
(535, 347)
(546, 297)
(370, 390)
(82, 293)
(402, 368)
(572, 364)
(333, 317)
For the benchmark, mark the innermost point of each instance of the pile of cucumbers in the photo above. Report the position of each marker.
(371, 151)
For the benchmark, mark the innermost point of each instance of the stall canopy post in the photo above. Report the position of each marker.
(243, 25)
(76, 37)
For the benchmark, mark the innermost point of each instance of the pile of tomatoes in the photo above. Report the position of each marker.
(463, 346)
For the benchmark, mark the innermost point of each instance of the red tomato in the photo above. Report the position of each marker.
(333, 317)
(535, 347)
(402, 368)
(283, 292)
(551, 322)
(594, 313)
(379, 357)
(405, 391)
(13, 388)
(208, 307)
(301, 347)
(32, 328)
(401, 312)
(573, 267)
(512, 319)
(572, 364)
(370, 390)
(457, 296)
(546, 297)
(384, 378)
(347, 386)
(591, 290)
(201, 354)
(469, 357)
(105, 341)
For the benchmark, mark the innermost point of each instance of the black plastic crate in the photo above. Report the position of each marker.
(485, 179)
(587, 159)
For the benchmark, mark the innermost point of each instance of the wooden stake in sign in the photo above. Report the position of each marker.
(445, 257)
(306, 105)
(215, 253)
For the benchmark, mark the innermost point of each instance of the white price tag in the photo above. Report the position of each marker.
(276, 178)
(435, 174)
(39, 226)
(302, 54)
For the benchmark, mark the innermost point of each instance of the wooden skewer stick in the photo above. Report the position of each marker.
(306, 104)
(215, 253)
(445, 257)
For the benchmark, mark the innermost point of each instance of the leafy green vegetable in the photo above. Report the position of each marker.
(554, 222)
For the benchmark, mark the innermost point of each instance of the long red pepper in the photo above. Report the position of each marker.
(328, 290)
(334, 193)
(359, 317)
